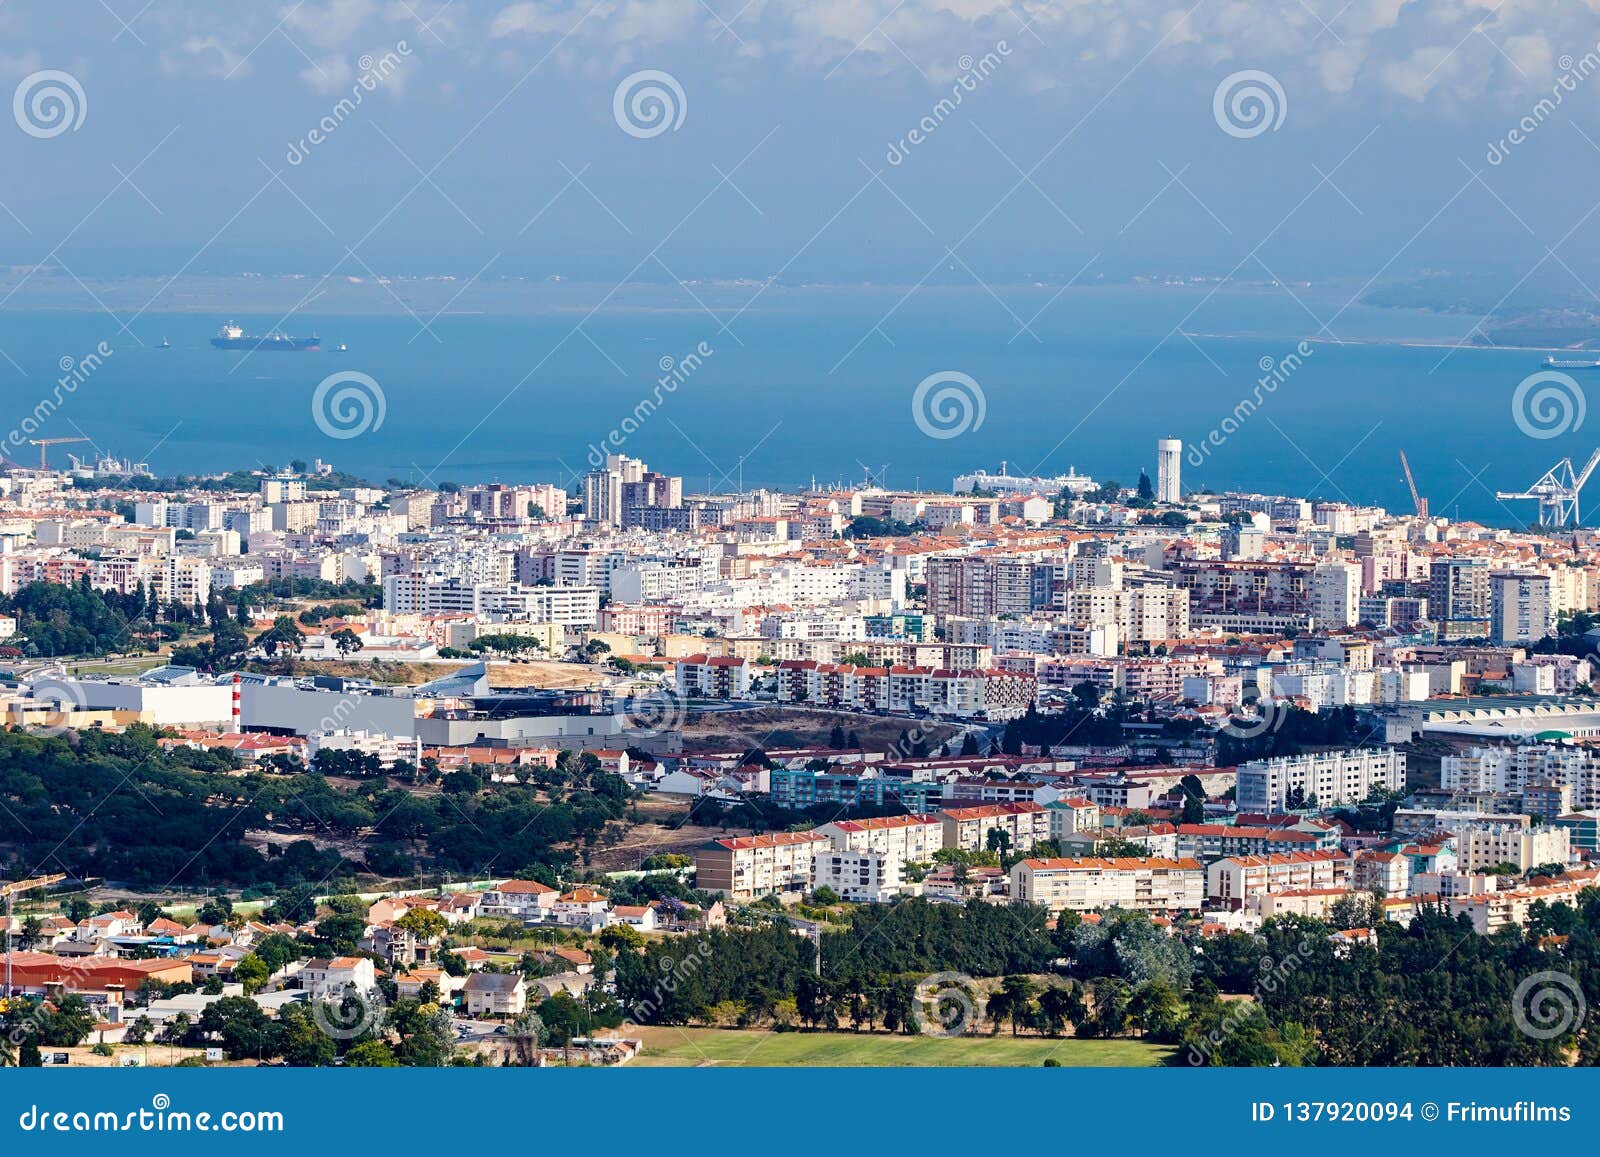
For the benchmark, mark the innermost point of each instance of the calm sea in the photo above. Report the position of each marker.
(812, 383)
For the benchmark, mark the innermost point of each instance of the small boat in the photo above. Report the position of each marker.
(165, 344)
(341, 348)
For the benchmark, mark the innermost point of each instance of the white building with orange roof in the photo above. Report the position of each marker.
(910, 839)
(745, 867)
(968, 828)
(519, 900)
(1238, 881)
(331, 976)
(1149, 884)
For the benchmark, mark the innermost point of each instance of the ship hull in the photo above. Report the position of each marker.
(293, 344)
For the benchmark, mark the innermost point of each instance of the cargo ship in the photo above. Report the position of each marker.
(1555, 364)
(233, 337)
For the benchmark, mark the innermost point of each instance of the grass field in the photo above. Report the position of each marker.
(689, 1047)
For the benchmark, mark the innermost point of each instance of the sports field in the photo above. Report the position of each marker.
(742, 1048)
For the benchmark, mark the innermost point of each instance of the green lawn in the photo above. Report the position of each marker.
(743, 1047)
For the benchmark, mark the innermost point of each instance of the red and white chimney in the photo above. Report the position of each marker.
(235, 730)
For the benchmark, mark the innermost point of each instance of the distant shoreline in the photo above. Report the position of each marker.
(1400, 343)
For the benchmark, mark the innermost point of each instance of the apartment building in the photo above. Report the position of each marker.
(746, 867)
(1327, 778)
(1479, 849)
(968, 828)
(911, 839)
(1089, 884)
(1238, 881)
(860, 875)
(712, 677)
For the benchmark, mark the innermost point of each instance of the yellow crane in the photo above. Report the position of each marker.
(10, 890)
(45, 443)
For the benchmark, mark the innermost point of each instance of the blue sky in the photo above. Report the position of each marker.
(1086, 142)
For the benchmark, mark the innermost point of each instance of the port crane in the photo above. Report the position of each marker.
(10, 890)
(1417, 500)
(44, 444)
(1556, 492)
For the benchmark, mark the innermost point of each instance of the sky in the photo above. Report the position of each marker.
(892, 141)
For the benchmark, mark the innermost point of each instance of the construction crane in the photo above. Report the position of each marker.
(45, 443)
(1417, 500)
(1557, 492)
(10, 890)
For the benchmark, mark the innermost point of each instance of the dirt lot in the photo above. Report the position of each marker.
(776, 727)
(661, 830)
(501, 674)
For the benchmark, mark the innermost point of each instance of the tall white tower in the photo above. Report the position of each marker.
(1169, 464)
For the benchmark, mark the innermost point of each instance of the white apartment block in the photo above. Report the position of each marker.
(1336, 593)
(864, 877)
(1514, 768)
(745, 867)
(1520, 608)
(1481, 848)
(1088, 884)
(1237, 881)
(1332, 777)
(911, 839)
(968, 828)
